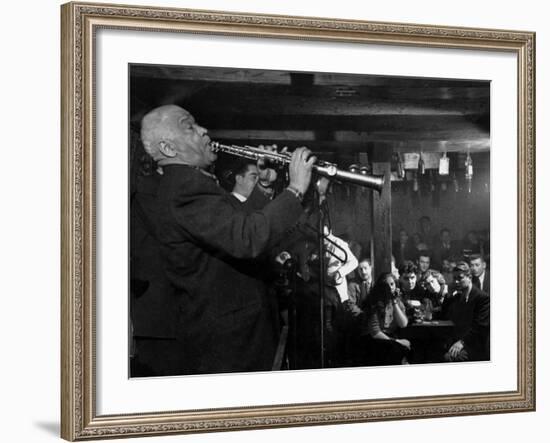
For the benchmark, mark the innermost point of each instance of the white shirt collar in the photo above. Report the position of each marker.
(481, 279)
(239, 197)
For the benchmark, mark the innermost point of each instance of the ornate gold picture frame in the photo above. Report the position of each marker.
(80, 23)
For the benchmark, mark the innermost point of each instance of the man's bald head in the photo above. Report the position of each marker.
(170, 135)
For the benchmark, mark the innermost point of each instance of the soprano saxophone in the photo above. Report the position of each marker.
(323, 168)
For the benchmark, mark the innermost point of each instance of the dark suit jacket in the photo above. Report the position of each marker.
(151, 297)
(210, 250)
(358, 294)
(472, 322)
(486, 283)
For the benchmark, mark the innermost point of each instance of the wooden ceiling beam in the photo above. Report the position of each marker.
(275, 77)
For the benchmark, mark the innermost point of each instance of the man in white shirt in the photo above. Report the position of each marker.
(246, 178)
(480, 273)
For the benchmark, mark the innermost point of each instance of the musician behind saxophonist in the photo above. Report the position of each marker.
(210, 251)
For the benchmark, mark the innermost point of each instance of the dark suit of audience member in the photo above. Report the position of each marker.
(470, 312)
(359, 288)
(358, 291)
(483, 282)
(480, 273)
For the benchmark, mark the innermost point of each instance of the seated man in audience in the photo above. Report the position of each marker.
(423, 262)
(480, 273)
(359, 288)
(469, 309)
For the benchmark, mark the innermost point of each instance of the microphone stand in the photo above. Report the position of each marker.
(321, 247)
(321, 188)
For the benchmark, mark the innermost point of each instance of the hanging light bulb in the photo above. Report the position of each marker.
(469, 171)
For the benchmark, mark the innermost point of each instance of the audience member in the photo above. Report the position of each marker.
(423, 262)
(480, 274)
(447, 266)
(469, 309)
(385, 315)
(407, 282)
(246, 178)
(359, 287)
(435, 289)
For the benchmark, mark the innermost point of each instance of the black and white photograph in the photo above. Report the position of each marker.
(276, 218)
(289, 220)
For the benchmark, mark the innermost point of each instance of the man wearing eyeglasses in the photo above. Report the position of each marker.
(470, 312)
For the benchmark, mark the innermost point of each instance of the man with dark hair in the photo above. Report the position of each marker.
(469, 309)
(480, 273)
(408, 282)
(423, 262)
(243, 177)
(359, 287)
(218, 313)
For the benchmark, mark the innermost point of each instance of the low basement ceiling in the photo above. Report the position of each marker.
(328, 112)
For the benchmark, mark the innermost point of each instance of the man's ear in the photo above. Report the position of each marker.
(167, 149)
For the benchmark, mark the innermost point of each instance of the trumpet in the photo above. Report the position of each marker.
(323, 168)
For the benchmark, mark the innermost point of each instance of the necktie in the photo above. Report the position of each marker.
(364, 290)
